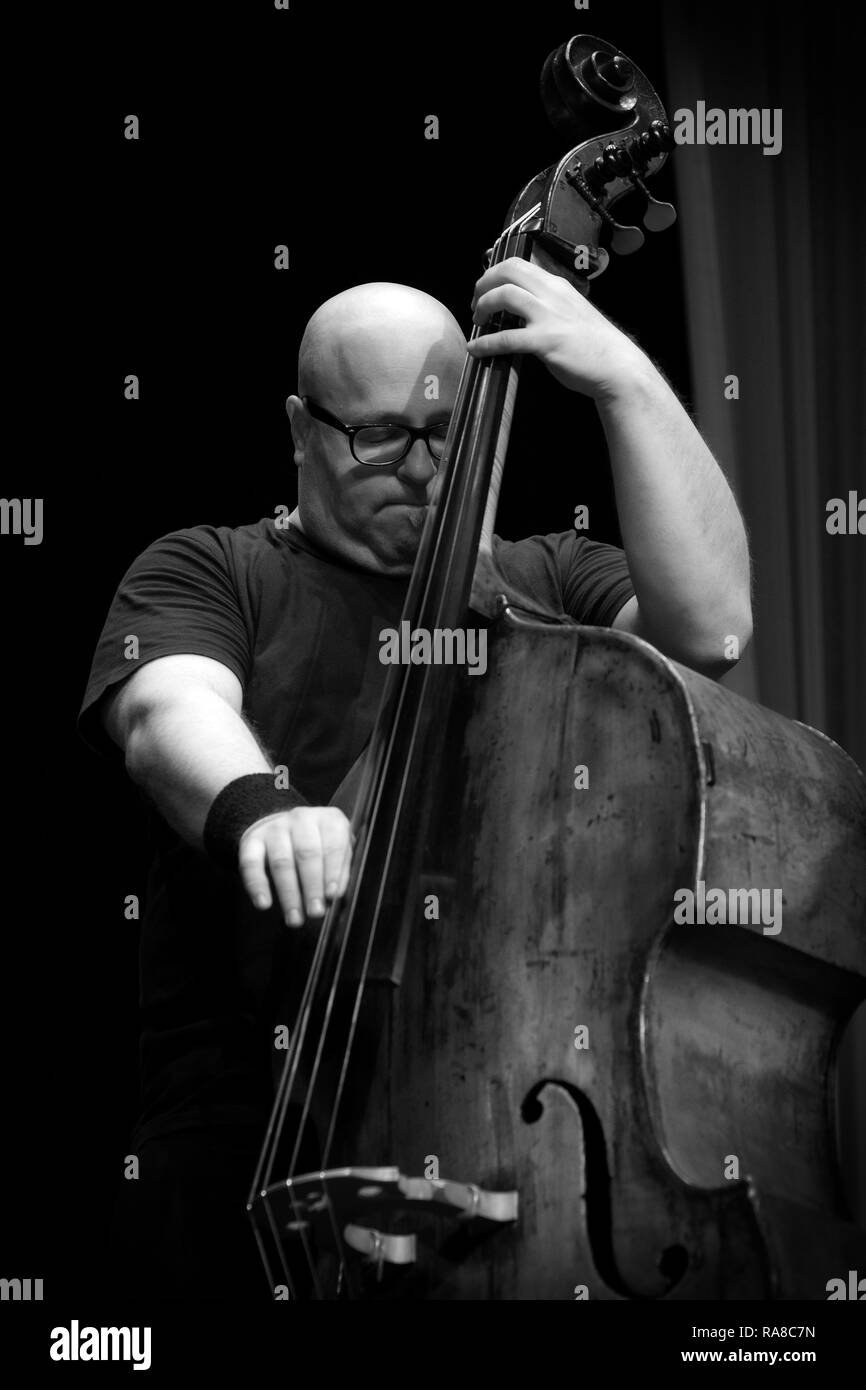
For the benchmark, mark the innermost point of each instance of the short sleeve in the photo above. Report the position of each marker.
(568, 573)
(596, 580)
(179, 597)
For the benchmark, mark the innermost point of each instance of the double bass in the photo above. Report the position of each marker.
(512, 1072)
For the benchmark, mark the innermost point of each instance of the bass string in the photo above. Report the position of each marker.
(508, 248)
(288, 1080)
(289, 1075)
(264, 1168)
(462, 473)
(379, 758)
(476, 381)
(324, 936)
(290, 1072)
(299, 1223)
(514, 234)
(483, 376)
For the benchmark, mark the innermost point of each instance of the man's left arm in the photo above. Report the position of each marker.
(682, 532)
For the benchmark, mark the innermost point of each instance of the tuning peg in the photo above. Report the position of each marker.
(614, 160)
(661, 136)
(624, 240)
(658, 216)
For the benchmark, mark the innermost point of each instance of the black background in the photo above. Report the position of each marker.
(257, 128)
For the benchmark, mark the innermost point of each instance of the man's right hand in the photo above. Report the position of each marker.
(303, 856)
(179, 720)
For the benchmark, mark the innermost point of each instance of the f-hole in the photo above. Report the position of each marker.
(673, 1260)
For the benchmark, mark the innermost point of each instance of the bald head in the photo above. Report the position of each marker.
(371, 331)
(377, 354)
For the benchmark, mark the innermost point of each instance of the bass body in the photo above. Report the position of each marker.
(556, 1089)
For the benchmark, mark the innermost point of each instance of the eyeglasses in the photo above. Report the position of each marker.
(377, 445)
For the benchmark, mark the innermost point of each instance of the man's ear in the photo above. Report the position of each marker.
(300, 422)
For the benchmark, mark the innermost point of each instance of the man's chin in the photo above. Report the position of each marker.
(401, 525)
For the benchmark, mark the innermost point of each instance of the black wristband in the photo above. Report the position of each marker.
(238, 806)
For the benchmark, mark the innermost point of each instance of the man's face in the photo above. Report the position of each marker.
(373, 515)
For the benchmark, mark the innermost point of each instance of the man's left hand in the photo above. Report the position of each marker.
(579, 346)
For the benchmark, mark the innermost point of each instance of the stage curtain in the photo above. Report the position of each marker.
(773, 249)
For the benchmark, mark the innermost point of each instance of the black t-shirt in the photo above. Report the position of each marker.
(300, 629)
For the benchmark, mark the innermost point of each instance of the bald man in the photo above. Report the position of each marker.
(238, 674)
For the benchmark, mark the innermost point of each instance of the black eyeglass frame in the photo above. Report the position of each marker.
(319, 412)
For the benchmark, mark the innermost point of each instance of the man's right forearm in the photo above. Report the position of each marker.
(183, 750)
(183, 745)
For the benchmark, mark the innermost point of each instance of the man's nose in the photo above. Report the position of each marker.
(417, 465)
